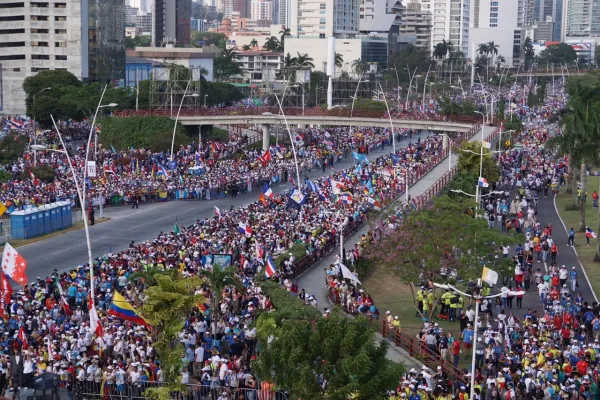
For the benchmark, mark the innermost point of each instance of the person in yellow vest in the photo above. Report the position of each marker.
(431, 299)
(396, 324)
(453, 305)
(420, 298)
(446, 298)
(425, 309)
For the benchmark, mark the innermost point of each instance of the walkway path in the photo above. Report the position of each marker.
(313, 280)
(69, 250)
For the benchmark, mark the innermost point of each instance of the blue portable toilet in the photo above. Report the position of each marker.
(46, 226)
(68, 216)
(59, 215)
(55, 217)
(17, 224)
(36, 222)
(27, 229)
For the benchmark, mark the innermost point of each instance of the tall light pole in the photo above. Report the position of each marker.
(398, 88)
(449, 151)
(205, 96)
(87, 149)
(390, 117)
(34, 125)
(287, 125)
(478, 299)
(409, 83)
(178, 111)
(80, 194)
(425, 84)
(354, 98)
(480, 162)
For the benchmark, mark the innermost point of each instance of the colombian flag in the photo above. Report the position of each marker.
(122, 309)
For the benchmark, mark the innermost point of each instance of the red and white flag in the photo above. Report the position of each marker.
(35, 180)
(14, 265)
(6, 290)
(265, 158)
(63, 299)
(95, 325)
(217, 212)
(23, 338)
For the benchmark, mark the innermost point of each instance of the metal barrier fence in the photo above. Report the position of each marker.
(86, 390)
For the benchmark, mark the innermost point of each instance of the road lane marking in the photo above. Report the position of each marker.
(60, 251)
(134, 227)
(100, 238)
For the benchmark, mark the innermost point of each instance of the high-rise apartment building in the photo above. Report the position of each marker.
(131, 15)
(451, 20)
(262, 10)
(416, 23)
(499, 21)
(581, 19)
(548, 14)
(324, 18)
(144, 23)
(171, 22)
(85, 38)
(282, 9)
(243, 7)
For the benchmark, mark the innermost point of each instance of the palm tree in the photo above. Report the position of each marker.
(284, 32)
(492, 48)
(529, 52)
(166, 307)
(254, 43)
(272, 43)
(246, 47)
(289, 61)
(339, 60)
(483, 49)
(304, 61)
(439, 51)
(218, 279)
(358, 66)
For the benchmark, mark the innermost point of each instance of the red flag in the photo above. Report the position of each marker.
(6, 290)
(23, 338)
(95, 325)
(265, 158)
(34, 179)
(63, 300)
(14, 265)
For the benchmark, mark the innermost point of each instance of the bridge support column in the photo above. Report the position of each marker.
(445, 142)
(266, 136)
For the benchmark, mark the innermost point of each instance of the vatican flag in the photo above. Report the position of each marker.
(490, 276)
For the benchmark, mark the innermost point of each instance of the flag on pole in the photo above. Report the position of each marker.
(34, 179)
(265, 158)
(176, 229)
(266, 193)
(162, 171)
(270, 269)
(14, 265)
(243, 228)
(482, 182)
(23, 338)
(490, 276)
(63, 299)
(217, 212)
(121, 308)
(95, 325)
(6, 289)
(260, 252)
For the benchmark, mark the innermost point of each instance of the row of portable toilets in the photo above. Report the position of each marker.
(41, 220)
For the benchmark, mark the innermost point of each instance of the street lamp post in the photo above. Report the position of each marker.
(478, 299)
(480, 161)
(449, 151)
(34, 125)
(205, 96)
(178, 111)
(409, 84)
(390, 117)
(398, 88)
(425, 85)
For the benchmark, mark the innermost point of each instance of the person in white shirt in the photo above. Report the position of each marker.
(198, 360)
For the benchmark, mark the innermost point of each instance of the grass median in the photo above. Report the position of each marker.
(571, 219)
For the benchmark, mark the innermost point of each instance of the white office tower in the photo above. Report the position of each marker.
(85, 38)
(261, 10)
(375, 16)
(283, 13)
(324, 18)
(581, 19)
(451, 20)
(497, 21)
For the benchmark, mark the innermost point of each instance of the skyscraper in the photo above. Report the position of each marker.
(550, 11)
(86, 38)
(451, 20)
(171, 22)
(262, 10)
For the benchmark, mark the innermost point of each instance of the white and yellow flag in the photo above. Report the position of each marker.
(490, 276)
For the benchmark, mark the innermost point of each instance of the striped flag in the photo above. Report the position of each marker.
(270, 269)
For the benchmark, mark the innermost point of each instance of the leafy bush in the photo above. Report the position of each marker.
(287, 306)
(4, 176)
(44, 173)
(298, 250)
(368, 104)
(154, 133)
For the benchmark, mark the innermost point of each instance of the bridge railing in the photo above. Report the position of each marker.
(294, 111)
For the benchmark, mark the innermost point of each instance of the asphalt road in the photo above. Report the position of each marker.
(69, 250)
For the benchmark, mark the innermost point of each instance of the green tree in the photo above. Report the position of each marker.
(297, 353)
(358, 66)
(166, 307)
(254, 43)
(492, 48)
(469, 160)
(138, 41)
(47, 87)
(339, 60)
(12, 146)
(529, 53)
(225, 66)
(209, 39)
(558, 54)
(410, 56)
(218, 279)
(304, 61)
(272, 43)
(44, 173)
(246, 47)
(442, 49)
(153, 133)
(284, 32)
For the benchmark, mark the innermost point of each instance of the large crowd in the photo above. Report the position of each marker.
(546, 352)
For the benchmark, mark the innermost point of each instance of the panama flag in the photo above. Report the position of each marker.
(14, 265)
(217, 212)
(243, 228)
(260, 252)
(270, 269)
(345, 198)
(483, 182)
(162, 171)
